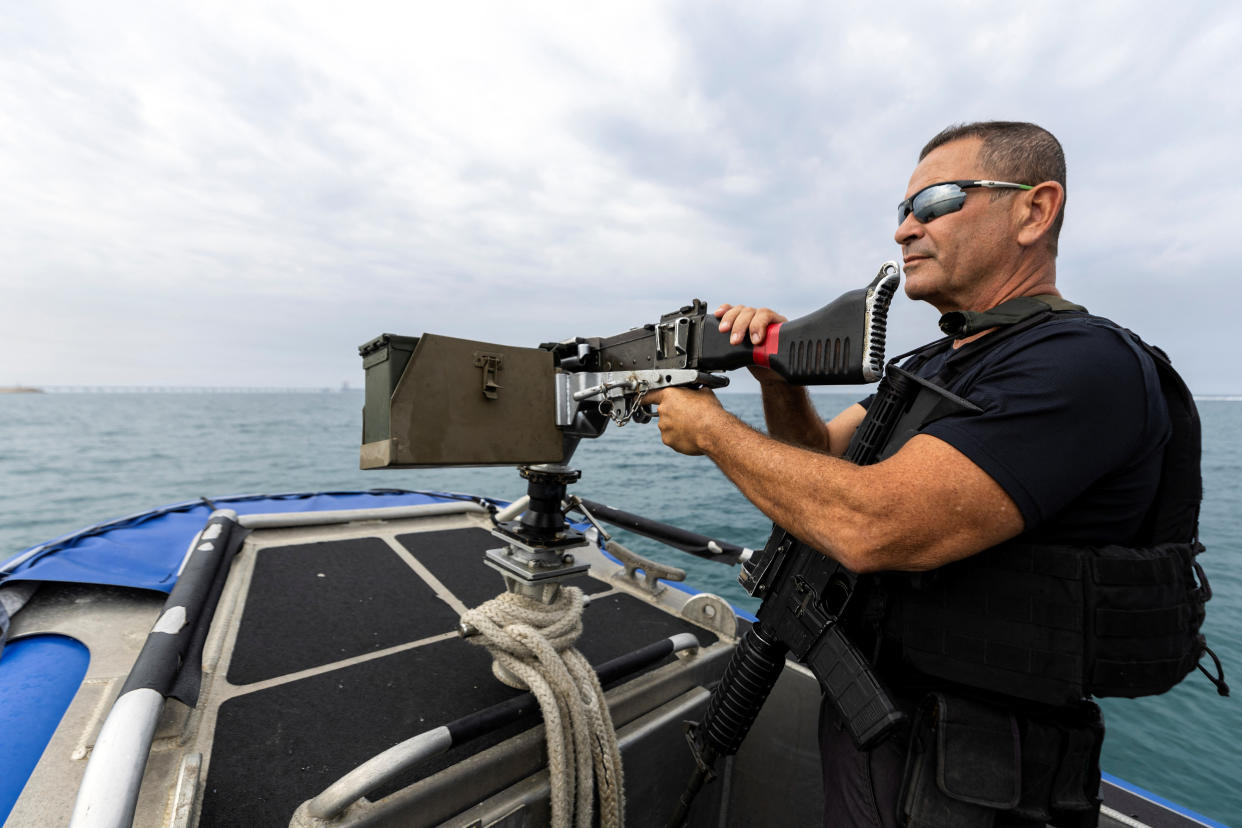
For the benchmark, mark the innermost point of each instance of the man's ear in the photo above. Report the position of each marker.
(1040, 207)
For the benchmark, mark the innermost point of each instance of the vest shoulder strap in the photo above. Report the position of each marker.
(1011, 318)
(965, 323)
(1175, 515)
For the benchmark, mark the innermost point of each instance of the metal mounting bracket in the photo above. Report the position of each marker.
(491, 365)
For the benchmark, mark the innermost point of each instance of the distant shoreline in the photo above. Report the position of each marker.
(838, 391)
(170, 389)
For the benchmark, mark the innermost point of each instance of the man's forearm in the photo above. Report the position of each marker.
(807, 492)
(924, 508)
(791, 416)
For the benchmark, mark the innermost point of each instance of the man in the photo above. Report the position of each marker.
(1067, 448)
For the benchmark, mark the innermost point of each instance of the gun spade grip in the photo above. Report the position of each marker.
(848, 682)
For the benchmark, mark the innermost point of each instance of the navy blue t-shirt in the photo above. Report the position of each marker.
(1073, 426)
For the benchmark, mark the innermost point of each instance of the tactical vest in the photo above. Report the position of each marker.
(1054, 623)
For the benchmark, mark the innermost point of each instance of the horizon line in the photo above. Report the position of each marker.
(346, 388)
(166, 389)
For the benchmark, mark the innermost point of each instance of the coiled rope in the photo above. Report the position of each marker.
(532, 642)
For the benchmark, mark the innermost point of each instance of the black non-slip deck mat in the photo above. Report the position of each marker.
(277, 747)
(317, 603)
(454, 556)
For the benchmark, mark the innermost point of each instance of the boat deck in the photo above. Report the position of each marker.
(333, 641)
(344, 647)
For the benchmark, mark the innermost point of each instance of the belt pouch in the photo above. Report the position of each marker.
(1078, 778)
(963, 765)
(1042, 749)
(1060, 767)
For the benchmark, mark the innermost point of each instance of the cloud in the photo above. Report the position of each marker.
(240, 194)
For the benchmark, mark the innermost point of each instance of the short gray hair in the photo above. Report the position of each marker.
(1012, 151)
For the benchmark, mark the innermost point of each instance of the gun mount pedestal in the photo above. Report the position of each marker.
(539, 550)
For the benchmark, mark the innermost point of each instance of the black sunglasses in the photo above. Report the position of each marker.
(946, 197)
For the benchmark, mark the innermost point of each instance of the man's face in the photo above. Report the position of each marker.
(953, 260)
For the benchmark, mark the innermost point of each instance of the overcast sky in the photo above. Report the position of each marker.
(241, 193)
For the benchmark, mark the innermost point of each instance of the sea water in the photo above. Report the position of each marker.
(71, 460)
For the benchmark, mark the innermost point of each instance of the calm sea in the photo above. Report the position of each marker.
(70, 460)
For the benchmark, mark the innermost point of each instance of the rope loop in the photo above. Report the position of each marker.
(532, 646)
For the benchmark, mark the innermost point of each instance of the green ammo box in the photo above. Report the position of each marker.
(435, 400)
(383, 359)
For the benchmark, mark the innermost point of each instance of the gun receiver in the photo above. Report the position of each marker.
(438, 401)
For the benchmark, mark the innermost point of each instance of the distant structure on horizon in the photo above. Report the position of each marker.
(19, 389)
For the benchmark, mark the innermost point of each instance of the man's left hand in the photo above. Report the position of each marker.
(689, 418)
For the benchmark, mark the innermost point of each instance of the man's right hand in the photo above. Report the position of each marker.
(742, 322)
